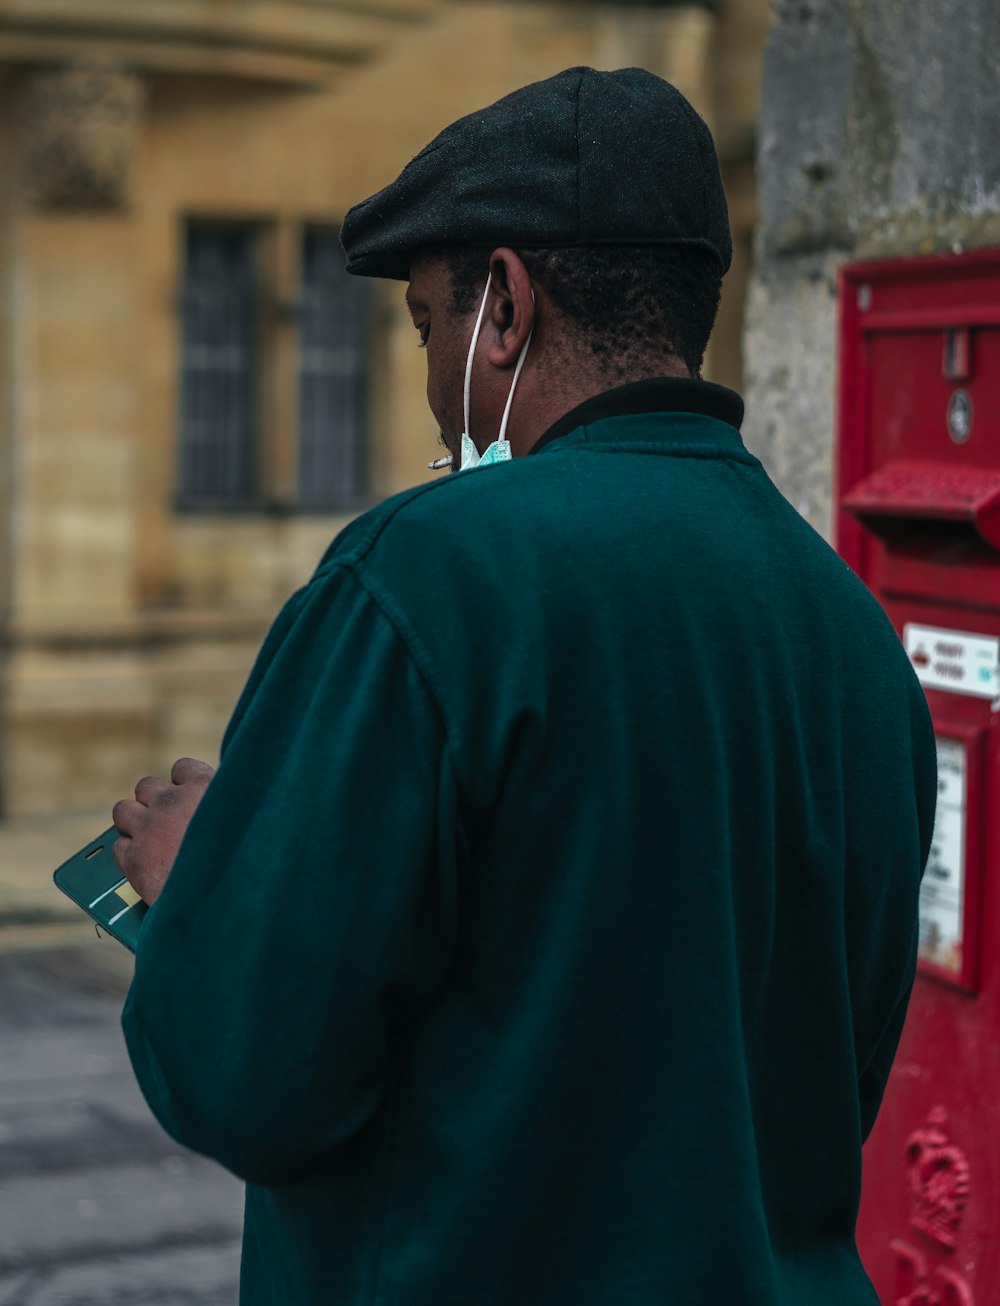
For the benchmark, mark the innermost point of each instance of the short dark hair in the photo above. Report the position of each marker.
(630, 304)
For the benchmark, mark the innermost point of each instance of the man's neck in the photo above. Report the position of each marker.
(544, 405)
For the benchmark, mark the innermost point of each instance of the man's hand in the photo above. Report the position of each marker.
(151, 826)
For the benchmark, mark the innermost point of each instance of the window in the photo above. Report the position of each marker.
(218, 456)
(334, 342)
(271, 326)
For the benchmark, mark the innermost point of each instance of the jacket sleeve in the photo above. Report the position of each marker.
(310, 914)
(875, 1075)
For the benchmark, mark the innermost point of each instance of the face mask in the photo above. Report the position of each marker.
(499, 450)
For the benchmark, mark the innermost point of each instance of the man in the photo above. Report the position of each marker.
(545, 935)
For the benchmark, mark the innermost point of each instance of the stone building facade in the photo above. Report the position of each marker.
(193, 400)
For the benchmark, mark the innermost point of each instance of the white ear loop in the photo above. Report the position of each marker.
(513, 384)
(472, 350)
(471, 359)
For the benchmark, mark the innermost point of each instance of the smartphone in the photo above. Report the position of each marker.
(91, 878)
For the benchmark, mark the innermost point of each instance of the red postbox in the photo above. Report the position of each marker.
(919, 520)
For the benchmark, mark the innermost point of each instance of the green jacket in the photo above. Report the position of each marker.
(546, 933)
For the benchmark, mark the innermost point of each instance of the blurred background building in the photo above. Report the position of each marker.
(194, 395)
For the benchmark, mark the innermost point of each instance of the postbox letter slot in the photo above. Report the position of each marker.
(903, 495)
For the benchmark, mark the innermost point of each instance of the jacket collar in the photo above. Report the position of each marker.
(667, 394)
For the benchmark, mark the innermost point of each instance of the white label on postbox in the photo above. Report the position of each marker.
(954, 660)
(942, 892)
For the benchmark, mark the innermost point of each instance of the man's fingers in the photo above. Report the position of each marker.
(127, 816)
(119, 851)
(151, 826)
(188, 770)
(150, 788)
(123, 851)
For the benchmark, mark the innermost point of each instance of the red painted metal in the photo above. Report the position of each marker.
(896, 501)
(918, 491)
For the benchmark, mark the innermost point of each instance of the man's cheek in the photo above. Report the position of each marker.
(446, 412)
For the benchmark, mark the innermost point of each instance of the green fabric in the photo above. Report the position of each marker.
(545, 935)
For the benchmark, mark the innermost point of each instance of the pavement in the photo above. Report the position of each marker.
(98, 1206)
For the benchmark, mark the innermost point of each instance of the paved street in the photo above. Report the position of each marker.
(98, 1207)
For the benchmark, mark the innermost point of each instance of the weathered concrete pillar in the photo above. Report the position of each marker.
(802, 236)
(879, 123)
(923, 125)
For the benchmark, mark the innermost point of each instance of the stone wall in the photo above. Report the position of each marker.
(879, 123)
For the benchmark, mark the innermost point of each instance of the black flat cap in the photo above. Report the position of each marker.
(583, 158)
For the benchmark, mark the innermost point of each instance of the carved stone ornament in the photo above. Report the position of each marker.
(938, 1174)
(81, 128)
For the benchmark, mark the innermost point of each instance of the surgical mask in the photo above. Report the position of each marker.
(499, 450)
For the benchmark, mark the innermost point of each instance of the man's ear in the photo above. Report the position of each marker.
(511, 309)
